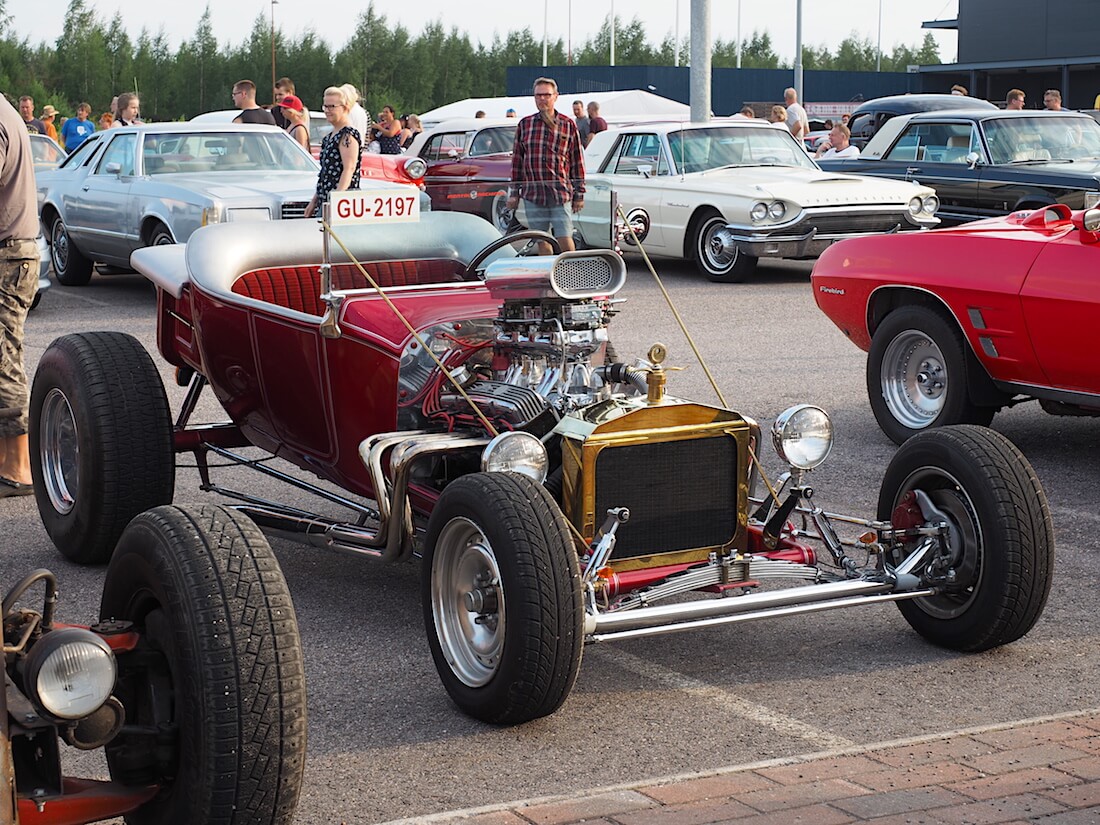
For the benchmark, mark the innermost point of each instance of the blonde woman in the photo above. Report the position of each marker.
(295, 113)
(411, 130)
(341, 150)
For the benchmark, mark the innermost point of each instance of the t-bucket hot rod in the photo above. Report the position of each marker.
(466, 414)
(191, 684)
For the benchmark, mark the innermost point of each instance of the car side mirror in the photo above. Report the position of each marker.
(1088, 223)
(972, 159)
(452, 153)
(645, 170)
(113, 168)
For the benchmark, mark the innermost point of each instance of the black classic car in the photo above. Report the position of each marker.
(988, 163)
(870, 115)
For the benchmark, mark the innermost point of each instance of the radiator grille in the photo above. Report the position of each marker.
(850, 224)
(590, 275)
(681, 494)
(293, 209)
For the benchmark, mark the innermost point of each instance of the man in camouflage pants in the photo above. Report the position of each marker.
(18, 284)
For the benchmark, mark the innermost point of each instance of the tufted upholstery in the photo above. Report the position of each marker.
(299, 287)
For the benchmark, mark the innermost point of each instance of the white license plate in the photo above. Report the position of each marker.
(375, 206)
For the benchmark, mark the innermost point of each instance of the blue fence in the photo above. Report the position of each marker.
(730, 88)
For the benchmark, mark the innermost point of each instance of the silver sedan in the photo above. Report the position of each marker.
(137, 186)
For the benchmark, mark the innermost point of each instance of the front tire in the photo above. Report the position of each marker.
(715, 255)
(100, 441)
(160, 236)
(1002, 537)
(917, 375)
(215, 692)
(502, 598)
(69, 265)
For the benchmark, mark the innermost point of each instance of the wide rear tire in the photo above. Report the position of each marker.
(100, 441)
(215, 692)
(502, 598)
(1003, 558)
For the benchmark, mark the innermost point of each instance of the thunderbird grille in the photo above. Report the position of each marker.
(681, 494)
(850, 224)
(293, 209)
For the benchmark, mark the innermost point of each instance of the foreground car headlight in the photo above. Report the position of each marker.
(915, 206)
(758, 212)
(803, 436)
(777, 210)
(516, 452)
(70, 673)
(931, 204)
(416, 168)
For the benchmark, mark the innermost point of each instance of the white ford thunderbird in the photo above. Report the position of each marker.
(727, 193)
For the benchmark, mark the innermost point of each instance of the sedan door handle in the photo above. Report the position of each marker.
(912, 170)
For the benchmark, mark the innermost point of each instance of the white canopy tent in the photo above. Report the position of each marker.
(627, 106)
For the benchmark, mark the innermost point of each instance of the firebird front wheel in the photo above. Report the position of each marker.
(502, 599)
(916, 375)
(994, 573)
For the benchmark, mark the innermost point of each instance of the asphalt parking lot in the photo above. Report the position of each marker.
(385, 742)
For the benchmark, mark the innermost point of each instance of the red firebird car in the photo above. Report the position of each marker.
(961, 322)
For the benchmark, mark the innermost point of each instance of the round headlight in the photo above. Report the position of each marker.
(915, 206)
(931, 204)
(777, 210)
(759, 211)
(416, 168)
(803, 436)
(516, 452)
(70, 673)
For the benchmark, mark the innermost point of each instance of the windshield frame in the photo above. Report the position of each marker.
(770, 145)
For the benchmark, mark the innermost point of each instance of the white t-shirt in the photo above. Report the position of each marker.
(357, 115)
(848, 151)
(796, 114)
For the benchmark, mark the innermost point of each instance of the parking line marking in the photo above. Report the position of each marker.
(751, 711)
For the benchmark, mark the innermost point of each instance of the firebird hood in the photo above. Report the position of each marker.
(807, 187)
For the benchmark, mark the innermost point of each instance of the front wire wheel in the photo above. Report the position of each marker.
(502, 598)
(1001, 547)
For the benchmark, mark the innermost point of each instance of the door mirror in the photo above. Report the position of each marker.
(113, 168)
(972, 159)
(645, 170)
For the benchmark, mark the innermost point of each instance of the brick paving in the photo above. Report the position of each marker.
(1036, 771)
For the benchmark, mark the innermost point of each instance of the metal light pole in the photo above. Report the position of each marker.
(274, 3)
(878, 58)
(738, 34)
(798, 53)
(612, 32)
(545, 28)
(700, 60)
(676, 33)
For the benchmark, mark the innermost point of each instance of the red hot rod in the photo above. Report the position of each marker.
(455, 392)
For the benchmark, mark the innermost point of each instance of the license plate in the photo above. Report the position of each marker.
(374, 206)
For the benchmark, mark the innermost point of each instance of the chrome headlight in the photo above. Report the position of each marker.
(516, 452)
(915, 206)
(931, 204)
(1091, 221)
(1092, 200)
(416, 168)
(70, 673)
(777, 210)
(803, 436)
(758, 212)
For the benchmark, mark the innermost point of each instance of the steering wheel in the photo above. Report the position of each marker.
(512, 237)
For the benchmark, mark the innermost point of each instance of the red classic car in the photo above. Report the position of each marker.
(469, 165)
(191, 683)
(961, 322)
(454, 400)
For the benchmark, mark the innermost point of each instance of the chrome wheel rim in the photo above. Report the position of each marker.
(59, 246)
(60, 452)
(717, 247)
(468, 602)
(967, 543)
(502, 215)
(913, 379)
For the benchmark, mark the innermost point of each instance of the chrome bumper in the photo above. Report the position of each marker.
(809, 245)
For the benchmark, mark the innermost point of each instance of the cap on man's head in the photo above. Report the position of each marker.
(48, 111)
(292, 102)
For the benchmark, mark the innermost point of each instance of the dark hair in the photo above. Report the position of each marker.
(285, 83)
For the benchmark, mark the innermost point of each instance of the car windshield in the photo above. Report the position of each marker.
(492, 141)
(172, 152)
(697, 150)
(1042, 138)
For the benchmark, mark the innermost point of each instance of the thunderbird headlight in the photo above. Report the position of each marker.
(931, 204)
(777, 210)
(1092, 200)
(70, 673)
(516, 452)
(416, 168)
(915, 206)
(803, 436)
(758, 212)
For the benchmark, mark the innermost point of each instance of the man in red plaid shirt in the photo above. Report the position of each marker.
(548, 168)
